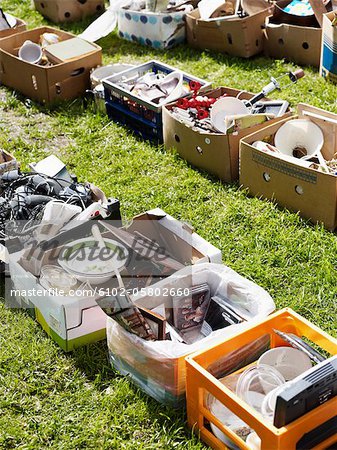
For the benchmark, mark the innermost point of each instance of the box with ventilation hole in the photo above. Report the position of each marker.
(46, 84)
(59, 11)
(310, 192)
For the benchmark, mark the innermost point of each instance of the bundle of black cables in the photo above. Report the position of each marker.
(25, 195)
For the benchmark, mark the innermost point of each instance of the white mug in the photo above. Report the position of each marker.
(31, 52)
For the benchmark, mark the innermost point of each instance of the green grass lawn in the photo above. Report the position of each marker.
(71, 401)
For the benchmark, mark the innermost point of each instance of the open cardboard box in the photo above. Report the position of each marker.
(300, 43)
(68, 10)
(237, 37)
(76, 321)
(310, 192)
(48, 85)
(215, 153)
(19, 27)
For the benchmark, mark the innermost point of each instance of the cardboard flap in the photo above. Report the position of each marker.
(153, 214)
(327, 121)
(319, 9)
(309, 111)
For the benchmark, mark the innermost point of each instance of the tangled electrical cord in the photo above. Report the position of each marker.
(25, 195)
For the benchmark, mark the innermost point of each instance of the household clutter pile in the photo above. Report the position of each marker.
(227, 114)
(243, 395)
(182, 325)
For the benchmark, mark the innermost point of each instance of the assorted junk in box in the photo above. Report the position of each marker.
(135, 97)
(186, 311)
(206, 129)
(48, 65)
(293, 33)
(294, 162)
(272, 385)
(159, 24)
(47, 192)
(233, 26)
(82, 262)
(228, 115)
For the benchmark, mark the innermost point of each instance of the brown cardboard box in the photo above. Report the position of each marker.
(68, 10)
(215, 153)
(310, 192)
(301, 45)
(237, 37)
(45, 84)
(19, 27)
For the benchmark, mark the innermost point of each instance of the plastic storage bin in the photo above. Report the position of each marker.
(144, 117)
(200, 382)
(157, 30)
(158, 367)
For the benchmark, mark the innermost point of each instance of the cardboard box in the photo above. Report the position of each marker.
(47, 85)
(19, 27)
(76, 321)
(302, 45)
(310, 192)
(157, 30)
(237, 37)
(328, 68)
(215, 153)
(68, 10)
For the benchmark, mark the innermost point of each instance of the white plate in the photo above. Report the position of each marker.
(226, 106)
(82, 262)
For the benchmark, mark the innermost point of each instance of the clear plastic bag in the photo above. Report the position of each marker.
(159, 367)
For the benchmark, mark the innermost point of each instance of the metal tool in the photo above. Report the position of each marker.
(299, 344)
(275, 83)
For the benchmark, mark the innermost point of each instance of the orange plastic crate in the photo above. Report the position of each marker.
(200, 382)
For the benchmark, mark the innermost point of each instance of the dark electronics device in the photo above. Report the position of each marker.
(317, 386)
(219, 315)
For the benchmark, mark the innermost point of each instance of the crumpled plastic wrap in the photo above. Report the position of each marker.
(158, 368)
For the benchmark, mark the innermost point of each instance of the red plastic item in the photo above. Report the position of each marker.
(202, 113)
(195, 87)
(183, 103)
